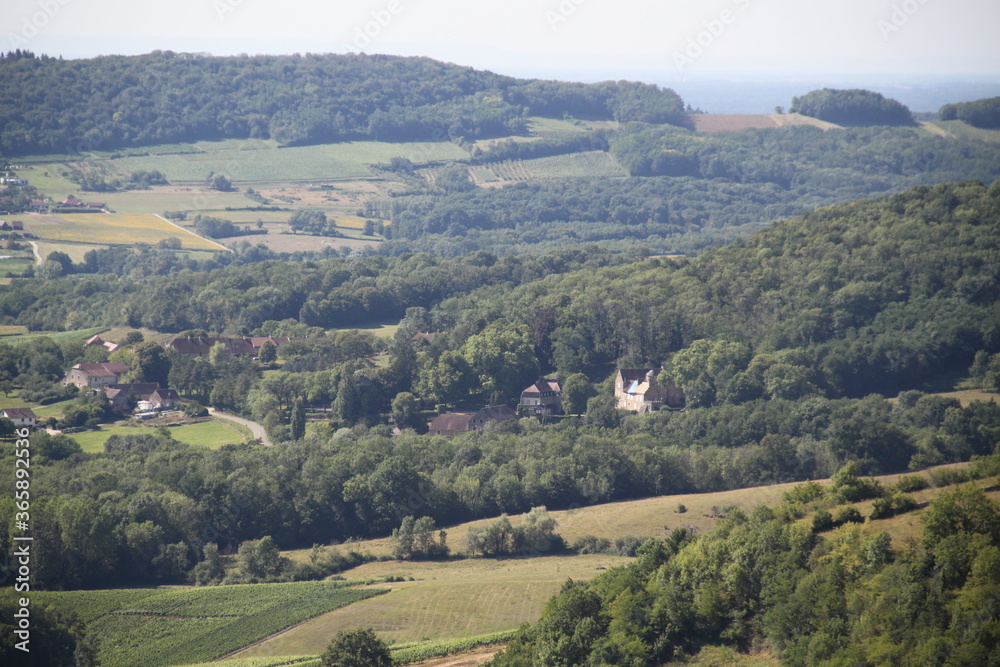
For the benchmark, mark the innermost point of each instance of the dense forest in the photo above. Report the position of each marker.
(77, 106)
(852, 107)
(777, 342)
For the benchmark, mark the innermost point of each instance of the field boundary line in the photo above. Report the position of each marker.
(188, 231)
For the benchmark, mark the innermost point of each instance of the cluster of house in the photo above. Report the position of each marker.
(104, 377)
(11, 226)
(10, 180)
(202, 345)
(74, 202)
(636, 389)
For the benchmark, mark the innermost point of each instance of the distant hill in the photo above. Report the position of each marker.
(50, 105)
(984, 114)
(852, 107)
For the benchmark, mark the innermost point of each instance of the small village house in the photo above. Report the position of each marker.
(452, 423)
(95, 375)
(20, 416)
(541, 398)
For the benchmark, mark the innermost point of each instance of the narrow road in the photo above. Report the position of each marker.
(256, 429)
(34, 249)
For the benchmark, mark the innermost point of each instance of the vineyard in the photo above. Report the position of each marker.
(152, 627)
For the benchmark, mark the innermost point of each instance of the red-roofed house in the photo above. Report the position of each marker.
(72, 201)
(97, 341)
(451, 423)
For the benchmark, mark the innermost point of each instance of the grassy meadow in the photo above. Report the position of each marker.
(213, 433)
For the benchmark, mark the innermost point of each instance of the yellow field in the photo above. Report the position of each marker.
(113, 229)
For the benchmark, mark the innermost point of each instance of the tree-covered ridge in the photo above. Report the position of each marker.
(757, 582)
(983, 113)
(693, 190)
(52, 105)
(870, 296)
(852, 107)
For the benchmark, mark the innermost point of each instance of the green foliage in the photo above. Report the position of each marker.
(846, 599)
(417, 651)
(414, 540)
(983, 113)
(851, 107)
(888, 506)
(357, 648)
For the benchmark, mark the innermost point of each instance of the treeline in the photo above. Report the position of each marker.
(983, 113)
(329, 293)
(529, 150)
(164, 97)
(758, 581)
(852, 107)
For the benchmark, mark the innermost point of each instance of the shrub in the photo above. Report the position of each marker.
(822, 520)
(911, 483)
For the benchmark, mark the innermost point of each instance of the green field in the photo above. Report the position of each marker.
(59, 337)
(300, 163)
(212, 434)
(961, 129)
(592, 164)
(181, 626)
(76, 251)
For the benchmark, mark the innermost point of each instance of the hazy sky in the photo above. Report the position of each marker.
(581, 39)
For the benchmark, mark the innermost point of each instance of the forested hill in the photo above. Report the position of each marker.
(50, 105)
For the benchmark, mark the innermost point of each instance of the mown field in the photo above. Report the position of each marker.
(447, 600)
(113, 229)
(179, 626)
(213, 433)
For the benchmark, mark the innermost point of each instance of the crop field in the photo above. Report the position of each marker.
(591, 164)
(447, 600)
(172, 198)
(153, 627)
(549, 127)
(299, 163)
(113, 229)
(211, 434)
(76, 251)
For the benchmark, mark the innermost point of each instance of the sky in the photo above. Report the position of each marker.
(587, 40)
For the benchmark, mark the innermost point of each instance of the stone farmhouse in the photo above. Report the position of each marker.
(95, 375)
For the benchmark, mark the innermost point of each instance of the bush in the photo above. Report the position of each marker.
(822, 520)
(911, 483)
(899, 503)
(948, 477)
(358, 648)
(848, 515)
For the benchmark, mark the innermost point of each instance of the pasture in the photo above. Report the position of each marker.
(177, 626)
(447, 600)
(113, 229)
(212, 433)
